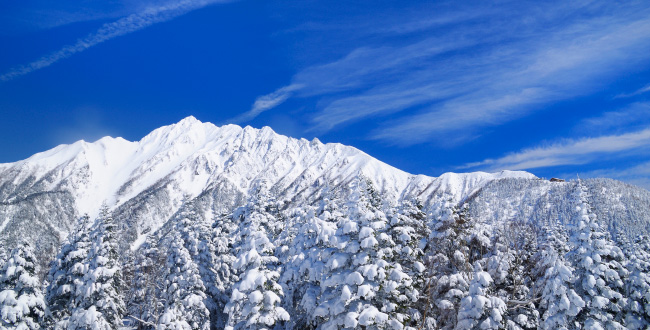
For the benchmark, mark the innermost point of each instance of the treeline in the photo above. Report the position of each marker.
(354, 261)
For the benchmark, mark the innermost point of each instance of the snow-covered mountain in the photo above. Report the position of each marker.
(203, 227)
(148, 179)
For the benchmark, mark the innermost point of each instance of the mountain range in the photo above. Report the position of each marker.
(144, 182)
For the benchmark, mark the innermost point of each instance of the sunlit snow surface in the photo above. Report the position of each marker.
(195, 156)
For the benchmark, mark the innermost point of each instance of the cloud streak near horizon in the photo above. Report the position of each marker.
(569, 152)
(131, 23)
(638, 174)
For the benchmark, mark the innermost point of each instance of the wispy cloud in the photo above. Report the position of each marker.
(454, 121)
(638, 175)
(131, 23)
(639, 91)
(473, 71)
(266, 102)
(633, 115)
(537, 73)
(569, 152)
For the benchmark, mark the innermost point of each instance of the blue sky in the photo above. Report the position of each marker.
(555, 88)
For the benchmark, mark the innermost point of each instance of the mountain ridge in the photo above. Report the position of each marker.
(114, 170)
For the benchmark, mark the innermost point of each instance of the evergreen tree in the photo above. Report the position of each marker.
(480, 309)
(355, 264)
(637, 285)
(99, 301)
(145, 303)
(184, 292)
(511, 264)
(559, 302)
(3, 254)
(304, 262)
(66, 276)
(598, 268)
(255, 302)
(404, 284)
(449, 269)
(224, 238)
(308, 251)
(198, 238)
(22, 305)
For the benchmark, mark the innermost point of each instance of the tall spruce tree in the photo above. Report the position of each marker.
(449, 269)
(66, 276)
(511, 266)
(481, 309)
(224, 240)
(198, 238)
(304, 259)
(598, 267)
(184, 293)
(367, 265)
(637, 284)
(22, 305)
(308, 253)
(145, 303)
(256, 299)
(559, 302)
(403, 249)
(99, 300)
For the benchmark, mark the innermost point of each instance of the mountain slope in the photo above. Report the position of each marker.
(150, 177)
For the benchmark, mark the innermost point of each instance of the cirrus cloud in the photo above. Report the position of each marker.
(569, 152)
(148, 16)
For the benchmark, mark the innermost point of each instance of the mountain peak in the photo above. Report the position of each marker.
(189, 123)
(189, 120)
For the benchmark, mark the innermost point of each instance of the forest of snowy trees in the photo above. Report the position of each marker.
(353, 260)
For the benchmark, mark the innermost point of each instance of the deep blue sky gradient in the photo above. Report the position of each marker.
(429, 87)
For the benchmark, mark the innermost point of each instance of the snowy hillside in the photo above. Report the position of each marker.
(203, 227)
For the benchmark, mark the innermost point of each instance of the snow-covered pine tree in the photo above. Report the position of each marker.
(335, 293)
(637, 284)
(510, 266)
(481, 306)
(362, 281)
(66, 275)
(183, 293)
(144, 303)
(559, 302)
(99, 302)
(307, 253)
(198, 237)
(403, 249)
(304, 262)
(448, 267)
(255, 302)
(598, 268)
(480, 309)
(22, 305)
(3, 255)
(224, 238)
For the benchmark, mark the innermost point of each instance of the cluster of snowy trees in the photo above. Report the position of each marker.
(354, 260)
(519, 275)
